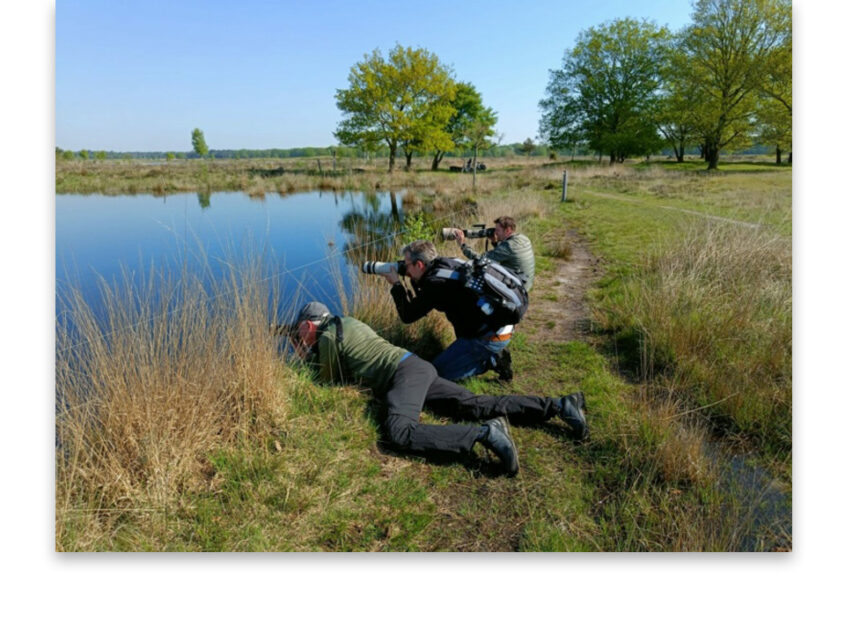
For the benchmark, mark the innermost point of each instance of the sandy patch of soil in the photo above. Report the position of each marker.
(558, 307)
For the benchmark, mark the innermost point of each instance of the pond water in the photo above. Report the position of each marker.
(98, 237)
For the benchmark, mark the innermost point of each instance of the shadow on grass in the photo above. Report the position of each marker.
(376, 411)
(472, 463)
(625, 348)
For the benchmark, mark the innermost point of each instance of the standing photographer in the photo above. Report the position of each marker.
(512, 250)
(480, 339)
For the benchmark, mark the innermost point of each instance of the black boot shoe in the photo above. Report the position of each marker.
(572, 412)
(499, 441)
(503, 365)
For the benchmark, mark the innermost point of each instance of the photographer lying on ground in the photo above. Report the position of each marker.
(512, 250)
(343, 349)
(438, 283)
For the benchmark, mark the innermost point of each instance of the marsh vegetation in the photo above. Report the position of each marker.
(193, 430)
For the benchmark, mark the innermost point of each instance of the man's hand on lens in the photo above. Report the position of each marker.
(391, 277)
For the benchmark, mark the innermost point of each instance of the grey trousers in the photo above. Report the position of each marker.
(416, 385)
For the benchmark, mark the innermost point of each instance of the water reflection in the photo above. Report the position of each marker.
(303, 235)
(204, 199)
(371, 230)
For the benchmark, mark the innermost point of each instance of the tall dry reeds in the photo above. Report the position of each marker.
(521, 205)
(716, 310)
(177, 367)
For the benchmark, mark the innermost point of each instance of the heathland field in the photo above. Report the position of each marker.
(663, 291)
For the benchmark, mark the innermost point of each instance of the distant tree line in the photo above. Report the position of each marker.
(503, 150)
(626, 88)
(302, 152)
(630, 88)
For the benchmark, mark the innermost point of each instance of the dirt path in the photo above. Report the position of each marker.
(557, 311)
(558, 303)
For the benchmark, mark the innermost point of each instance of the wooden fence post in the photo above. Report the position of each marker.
(563, 195)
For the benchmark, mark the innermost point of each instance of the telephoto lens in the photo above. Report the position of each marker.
(449, 233)
(480, 233)
(381, 268)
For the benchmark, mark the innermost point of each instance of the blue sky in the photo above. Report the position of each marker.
(261, 74)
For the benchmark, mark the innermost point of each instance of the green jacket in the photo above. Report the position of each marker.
(515, 254)
(362, 356)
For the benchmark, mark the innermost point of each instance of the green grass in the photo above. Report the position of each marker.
(275, 462)
(707, 303)
(359, 500)
(759, 196)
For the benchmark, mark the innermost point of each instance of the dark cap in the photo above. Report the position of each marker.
(313, 311)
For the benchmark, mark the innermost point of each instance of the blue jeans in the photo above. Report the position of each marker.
(468, 357)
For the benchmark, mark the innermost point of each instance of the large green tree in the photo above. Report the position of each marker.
(198, 142)
(606, 93)
(470, 117)
(774, 127)
(776, 82)
(729, 46)
(676, 109)
(774, 115)
(404, 101)
(479, 135)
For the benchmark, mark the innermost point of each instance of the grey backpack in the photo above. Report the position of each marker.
(501, 293)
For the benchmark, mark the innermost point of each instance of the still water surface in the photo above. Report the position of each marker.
(98, 236)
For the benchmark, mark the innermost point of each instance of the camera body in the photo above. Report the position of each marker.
(283, 330)
(381, 268)
(477, 231)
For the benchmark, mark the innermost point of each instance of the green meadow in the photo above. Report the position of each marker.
(194, 432)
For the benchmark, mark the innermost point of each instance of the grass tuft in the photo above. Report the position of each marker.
(715, 311)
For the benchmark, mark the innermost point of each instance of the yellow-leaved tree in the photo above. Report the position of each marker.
(403, 101)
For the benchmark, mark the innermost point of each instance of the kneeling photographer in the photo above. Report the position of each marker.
(512, 250)
(440, 283)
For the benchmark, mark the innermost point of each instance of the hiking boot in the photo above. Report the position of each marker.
(572, 411)
(503, 365)
(499, 441)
